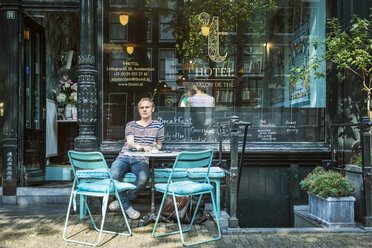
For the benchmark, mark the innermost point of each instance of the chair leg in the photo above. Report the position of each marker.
(67, 217)
(216, 220)
(178, 218)
(124, 215)
(103, 218)
(158, 217)
(217, 195)
(157, 221)
(194, 215)
(87, 209)
(100, 230)
(66, 224)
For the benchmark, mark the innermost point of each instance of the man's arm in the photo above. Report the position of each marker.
(160, 137)
(188, 102)
(131, 143)
(160, 144)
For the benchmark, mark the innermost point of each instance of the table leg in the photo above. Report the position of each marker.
(150, 216)
(152, 185)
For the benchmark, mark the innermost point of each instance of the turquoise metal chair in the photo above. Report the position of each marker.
(99, 185)
(175, 187)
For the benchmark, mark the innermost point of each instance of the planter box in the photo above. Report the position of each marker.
(332, 211)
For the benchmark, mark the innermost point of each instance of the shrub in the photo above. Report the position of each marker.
(357, 159)
(327, 183)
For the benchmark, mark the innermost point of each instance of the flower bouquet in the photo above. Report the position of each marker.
(67, 96)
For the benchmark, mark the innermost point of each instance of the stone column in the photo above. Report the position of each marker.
(234, 170)
(86, 73)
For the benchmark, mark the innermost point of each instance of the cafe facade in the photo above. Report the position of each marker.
(237, 54)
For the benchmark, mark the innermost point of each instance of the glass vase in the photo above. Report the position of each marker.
(74, 112)
(68, 112)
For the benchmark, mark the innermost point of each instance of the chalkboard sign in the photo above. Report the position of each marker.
(194, 125)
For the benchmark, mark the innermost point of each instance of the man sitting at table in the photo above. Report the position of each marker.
(139, 135)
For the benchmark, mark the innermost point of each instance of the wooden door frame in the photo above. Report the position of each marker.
(39, 175)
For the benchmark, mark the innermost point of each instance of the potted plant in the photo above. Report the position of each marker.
(330, 199)
(67, 96)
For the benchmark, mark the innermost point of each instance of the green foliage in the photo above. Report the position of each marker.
(350, 50)
(186, 26)
(327, 183)
(358, 159)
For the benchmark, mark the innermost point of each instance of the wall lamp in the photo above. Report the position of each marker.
(130, 49)
(124, 19)
(205, 30)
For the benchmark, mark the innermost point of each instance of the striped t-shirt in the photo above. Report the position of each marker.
(144, 136)
(201, 101)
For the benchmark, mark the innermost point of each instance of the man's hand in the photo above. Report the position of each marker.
(147, 148)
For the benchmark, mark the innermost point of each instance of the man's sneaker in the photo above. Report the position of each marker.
(114, 206)
(132, 213)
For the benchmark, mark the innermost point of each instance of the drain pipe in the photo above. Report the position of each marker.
(246, 126)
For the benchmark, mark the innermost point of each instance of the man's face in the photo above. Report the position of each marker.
(145, 109)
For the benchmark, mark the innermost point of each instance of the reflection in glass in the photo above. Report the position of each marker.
(198, 98)
(28, 78)
(37, 95)
(252, 82)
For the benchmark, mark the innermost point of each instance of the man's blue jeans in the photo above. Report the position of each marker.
(140, 168)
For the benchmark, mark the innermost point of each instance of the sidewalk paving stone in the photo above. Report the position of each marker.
(46, 231)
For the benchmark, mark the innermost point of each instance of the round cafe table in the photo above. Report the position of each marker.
(152, 155)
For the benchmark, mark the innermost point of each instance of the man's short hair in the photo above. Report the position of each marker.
(146, 99)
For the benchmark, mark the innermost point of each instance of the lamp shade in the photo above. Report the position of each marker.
(124, 19)
(130, 49)
(205, 30)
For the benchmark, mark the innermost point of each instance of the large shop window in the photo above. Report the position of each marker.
(201, 66)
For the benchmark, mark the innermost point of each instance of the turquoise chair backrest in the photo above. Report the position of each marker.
(194, 159)
(87, 160)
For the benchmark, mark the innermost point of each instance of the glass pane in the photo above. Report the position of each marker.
(165, 34)
(206, 66)
(118, 3)
(201, 124)
(37, 96)
(118, 32)
(167, 65)
(115, 116)
(28, 78)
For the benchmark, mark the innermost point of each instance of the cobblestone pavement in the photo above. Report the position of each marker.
(46, 231)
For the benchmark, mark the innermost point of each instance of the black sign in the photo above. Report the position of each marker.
(268, 125)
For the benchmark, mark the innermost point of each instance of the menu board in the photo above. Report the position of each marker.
(268, 125)
(192, 125)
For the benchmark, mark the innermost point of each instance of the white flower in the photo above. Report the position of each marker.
(73, 96)
(67, 85)
(61, 97)
(74, 87)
